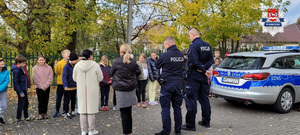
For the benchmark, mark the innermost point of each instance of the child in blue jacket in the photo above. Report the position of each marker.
(70, 86)
(4, 80)
(21, 85)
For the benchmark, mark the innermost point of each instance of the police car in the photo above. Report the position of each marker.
(271, 76)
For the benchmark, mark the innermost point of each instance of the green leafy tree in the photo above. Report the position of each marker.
(217, 20)
(44, 26)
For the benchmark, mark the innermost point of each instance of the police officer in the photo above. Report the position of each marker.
(200, 59)
(171, 79)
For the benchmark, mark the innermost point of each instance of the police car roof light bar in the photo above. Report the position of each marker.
(281, 48)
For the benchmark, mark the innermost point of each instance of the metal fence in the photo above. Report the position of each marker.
(9, 59)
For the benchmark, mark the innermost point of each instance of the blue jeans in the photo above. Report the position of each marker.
(170, 93)
(3, 103)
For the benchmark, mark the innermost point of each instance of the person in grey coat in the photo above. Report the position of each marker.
(124, 82)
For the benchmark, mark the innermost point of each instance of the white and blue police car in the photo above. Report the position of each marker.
(271, 76)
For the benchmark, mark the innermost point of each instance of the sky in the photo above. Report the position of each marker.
(293, 11)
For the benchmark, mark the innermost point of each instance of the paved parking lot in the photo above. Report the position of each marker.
(227, 119)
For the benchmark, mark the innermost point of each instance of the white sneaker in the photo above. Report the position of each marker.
(93, 132)
(73, 113)
(64, 115)
(83, 133)
(115, 108)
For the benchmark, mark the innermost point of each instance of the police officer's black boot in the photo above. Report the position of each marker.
(184, 127)
(161, 133)
(207, 125)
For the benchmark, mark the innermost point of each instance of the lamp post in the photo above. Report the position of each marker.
(129, 21)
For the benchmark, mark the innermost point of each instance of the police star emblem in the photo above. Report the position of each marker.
(272, 22)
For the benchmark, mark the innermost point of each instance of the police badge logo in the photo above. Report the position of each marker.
(272, 22)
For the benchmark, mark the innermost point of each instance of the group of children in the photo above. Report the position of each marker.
(66, 86)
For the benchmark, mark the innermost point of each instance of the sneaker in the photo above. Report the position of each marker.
(103, 108)
(83, 133)
(76, 112)
(140, 104)
(40, 117)
(73, 113)
(20, 122)
(45, 116)
(106, 108)
(64, 115)
(115, 108)
(2, 121)
(144, 105)
(68, 115)
(155, 103)
(56, 115)
(151, 103)
(28, 119)
(93, 132)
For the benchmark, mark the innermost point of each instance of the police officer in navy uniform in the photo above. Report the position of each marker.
(171, 63)
(200, 59)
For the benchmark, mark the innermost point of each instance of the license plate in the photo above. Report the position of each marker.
(230, 80)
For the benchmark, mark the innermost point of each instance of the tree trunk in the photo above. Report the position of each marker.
(237, 45)
(72, 44)
(71, 7)
(232, 45)
(22, 48)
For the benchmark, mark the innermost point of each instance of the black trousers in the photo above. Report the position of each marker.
(141, 91)
(69, 95)
(126, 117)
(43, 99)
(104, 95)
(114, 99)
(59, 95)
(22, 105)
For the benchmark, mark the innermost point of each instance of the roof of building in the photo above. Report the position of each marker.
(291, 34)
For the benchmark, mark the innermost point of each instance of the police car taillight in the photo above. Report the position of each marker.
(256, 76)
(216, 73)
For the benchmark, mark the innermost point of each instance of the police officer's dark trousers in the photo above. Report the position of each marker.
(197, 88)
(170, 93)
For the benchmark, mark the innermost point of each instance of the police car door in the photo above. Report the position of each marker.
(295, 71)
(291, 66)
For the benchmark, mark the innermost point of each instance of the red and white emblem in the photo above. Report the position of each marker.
(273, 14)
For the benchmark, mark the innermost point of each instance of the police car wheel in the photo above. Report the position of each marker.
(284, 101)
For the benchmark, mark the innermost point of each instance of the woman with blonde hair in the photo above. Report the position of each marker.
(124, 71)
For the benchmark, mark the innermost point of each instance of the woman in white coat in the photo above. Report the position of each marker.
(87, 74)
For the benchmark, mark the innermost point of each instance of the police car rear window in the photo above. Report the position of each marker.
(242, 63)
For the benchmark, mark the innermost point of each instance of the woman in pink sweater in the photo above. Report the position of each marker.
(42, 77)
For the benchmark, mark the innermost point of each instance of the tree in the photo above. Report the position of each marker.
(45, 26)
(217, 20)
